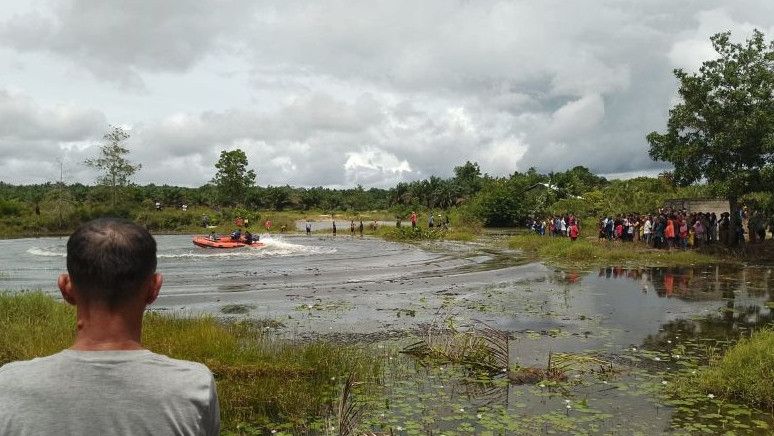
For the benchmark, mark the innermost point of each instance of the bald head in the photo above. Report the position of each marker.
(109, 260)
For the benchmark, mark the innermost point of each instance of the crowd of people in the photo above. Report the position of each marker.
(557, 225)
(682, 229)
(666, 229)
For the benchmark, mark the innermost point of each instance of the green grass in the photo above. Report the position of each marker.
(263, 383)
(745, 373)
(591, 252)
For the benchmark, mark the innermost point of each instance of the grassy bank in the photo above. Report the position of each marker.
(745, 373)
(263, 383)
(587, 251)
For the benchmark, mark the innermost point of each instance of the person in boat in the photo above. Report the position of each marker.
(87, 388)
(236, 235)
(248, 237)
(213, 236)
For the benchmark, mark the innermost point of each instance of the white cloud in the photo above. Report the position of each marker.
(372, 166)
(284, 164)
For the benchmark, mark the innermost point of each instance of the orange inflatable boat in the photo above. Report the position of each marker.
(223, 242)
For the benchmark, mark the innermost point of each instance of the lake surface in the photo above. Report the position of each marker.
(370, 291)
(367, 285)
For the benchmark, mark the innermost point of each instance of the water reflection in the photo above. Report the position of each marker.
(746, 293)
(710, 282)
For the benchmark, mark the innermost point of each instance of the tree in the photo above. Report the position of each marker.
(278, 197)
(576, 181)
(233, 179)
(116, 169)
(467, 179)
(722, 130)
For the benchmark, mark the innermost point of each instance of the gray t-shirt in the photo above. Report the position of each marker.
(107, 393)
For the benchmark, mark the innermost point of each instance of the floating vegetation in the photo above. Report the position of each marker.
(236, 309)
(405, 312)
(321, 306)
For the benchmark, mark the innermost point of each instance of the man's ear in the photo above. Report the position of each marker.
(153, 290)
(66, 288)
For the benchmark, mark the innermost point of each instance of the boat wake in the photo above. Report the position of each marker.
(272, 247)
(46, 252)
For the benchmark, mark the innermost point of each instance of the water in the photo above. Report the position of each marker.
(365, 286)
(369, 291)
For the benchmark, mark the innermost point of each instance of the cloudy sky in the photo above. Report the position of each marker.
(338, 93)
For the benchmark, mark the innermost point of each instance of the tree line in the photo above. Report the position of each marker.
(719, 138)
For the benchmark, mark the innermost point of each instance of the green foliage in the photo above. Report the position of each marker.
(467, 179)
(278, 197)
(576, 181)
(499, 204)
(10, 207)
(233, 179)
(506, 202)
(638, 195)
(745, 372)
(723, 128)
(116, 169)
(262, 381)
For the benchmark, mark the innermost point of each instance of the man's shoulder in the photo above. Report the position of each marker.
(11, 368)
(141, 358)
(189, 365)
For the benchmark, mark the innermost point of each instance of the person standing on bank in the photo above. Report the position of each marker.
(107, 383)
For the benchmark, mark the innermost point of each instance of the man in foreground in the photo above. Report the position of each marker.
(107, 383)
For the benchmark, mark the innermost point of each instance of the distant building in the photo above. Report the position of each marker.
(699, 205)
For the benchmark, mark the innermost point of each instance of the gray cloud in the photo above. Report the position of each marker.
(367, 92)
(33, 137)
(119, 41)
